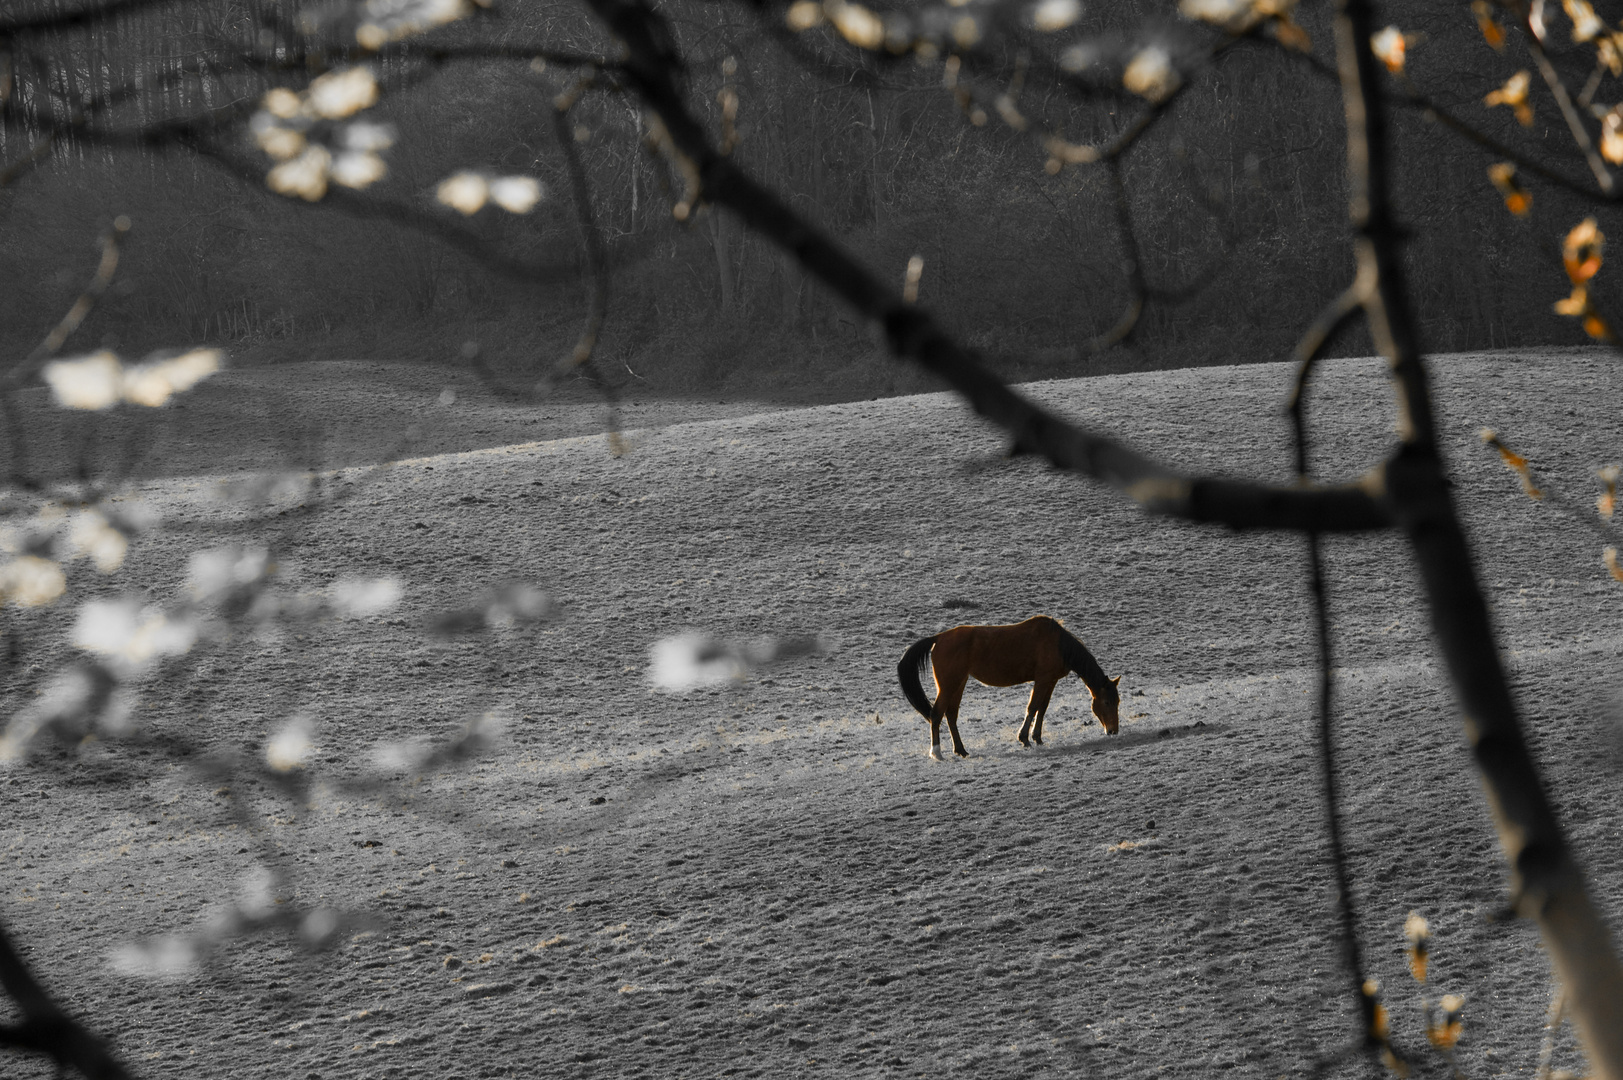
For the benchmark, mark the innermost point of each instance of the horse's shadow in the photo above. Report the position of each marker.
(1103, 744)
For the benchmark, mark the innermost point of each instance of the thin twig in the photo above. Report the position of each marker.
(1539, 487)
(597, 262)
(1131, 266)
(30, 365)
(103, 277)
(1308, 350)
(1351, 951)
(1552, 1024)
(1569, 112)
(1431, 110)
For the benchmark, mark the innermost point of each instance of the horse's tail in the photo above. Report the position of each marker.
(910, 673)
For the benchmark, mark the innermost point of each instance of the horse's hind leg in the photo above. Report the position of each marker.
(946, 705)
(1037, 708)
(952, 726)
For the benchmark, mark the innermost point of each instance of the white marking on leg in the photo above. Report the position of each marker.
(935, 751)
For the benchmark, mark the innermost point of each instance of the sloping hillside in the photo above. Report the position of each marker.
(770, 877)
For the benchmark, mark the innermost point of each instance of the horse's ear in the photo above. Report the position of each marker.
(1116, 680)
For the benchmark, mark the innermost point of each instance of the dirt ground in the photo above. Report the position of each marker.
(770, 877)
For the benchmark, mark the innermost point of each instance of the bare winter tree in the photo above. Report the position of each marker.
(282, 97)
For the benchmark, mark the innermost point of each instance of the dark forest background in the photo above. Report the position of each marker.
(1240, 203)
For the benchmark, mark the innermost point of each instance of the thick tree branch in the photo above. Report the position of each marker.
(45, 1028)
(652, 69)
(1545, 879)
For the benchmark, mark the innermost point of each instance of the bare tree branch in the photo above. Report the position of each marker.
(1307, 353)
(45, 1027)
(597, 268)
(30, 365)
(650, 69)
(1547, 884)
(1569, 112)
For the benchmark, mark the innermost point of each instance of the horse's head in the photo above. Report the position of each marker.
(1105, 706)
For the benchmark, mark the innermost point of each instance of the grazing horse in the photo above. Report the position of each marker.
(1039, 651)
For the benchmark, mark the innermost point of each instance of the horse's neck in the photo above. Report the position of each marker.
(1083, 663)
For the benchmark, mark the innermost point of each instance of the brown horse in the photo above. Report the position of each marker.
(1039, 651)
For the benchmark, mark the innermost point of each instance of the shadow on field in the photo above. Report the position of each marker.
(1104, 744)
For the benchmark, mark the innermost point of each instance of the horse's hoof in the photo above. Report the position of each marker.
(961, 753)
(1036, 740)
(935, 753)
(1024, 743)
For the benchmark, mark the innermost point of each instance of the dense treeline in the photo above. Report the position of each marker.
(1235, 204)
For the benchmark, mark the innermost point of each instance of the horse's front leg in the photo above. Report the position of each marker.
(935, 736)
(1041, 691)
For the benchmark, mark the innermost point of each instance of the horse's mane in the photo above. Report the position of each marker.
(1078, 659)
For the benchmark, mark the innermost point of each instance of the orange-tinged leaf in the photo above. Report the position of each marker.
(1069, 153)
(1576, 304)
(1609, 557)
(1290, 34)
(1581, 251)
(1514, 94)
(1050, 16)
(1517, 199)
(1235, 16)
(803, 15)
(1151, 74)
(1418, 933)
(1492, 32)
(857, 24)
(1514, 89)
(1611, 136)
(1390, 48)
(1586, 25)
(1381, 1025)
(1606, 502)
(1444, 1031)
(1444, 1036)
(1608, 52)
(1514, 461)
